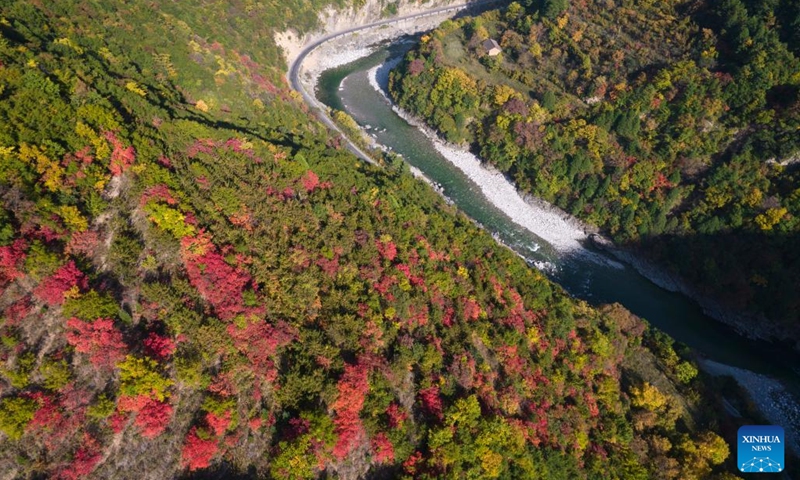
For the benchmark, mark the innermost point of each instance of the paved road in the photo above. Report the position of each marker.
(311, 100)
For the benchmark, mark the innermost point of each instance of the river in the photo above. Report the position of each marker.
(348, 88)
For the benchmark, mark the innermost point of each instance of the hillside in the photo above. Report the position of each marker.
(196, 279)
(673, 126)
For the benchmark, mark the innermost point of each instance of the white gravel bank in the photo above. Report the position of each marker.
(771, 398)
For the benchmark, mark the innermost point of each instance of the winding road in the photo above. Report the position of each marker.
(297, 65)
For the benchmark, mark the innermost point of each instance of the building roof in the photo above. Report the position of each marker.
(491, 43)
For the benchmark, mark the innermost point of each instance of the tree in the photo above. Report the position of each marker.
(121, 157)
(84, 460)
(431, 401)
(139, 379)
(260, 342)
(68, 278)
(549, 101)
(11, 258)
(98, 339)
(648, 397)
(352, 388)
(685, 372)
(153, 418)
(197, 450)
(310, 181)
(90, 306)
(220, 283)
(158, 346)
(15, 414)
(382, 448)
(554, 8)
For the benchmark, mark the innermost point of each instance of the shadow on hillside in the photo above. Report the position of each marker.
(222, 471)
(755, 274)
(720, 268)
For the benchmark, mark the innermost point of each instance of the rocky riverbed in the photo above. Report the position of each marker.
(778, 405)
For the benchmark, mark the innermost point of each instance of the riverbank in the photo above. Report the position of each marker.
(565, 233)
(769, 396)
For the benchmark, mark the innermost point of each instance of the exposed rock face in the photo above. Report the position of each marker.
(333, 20)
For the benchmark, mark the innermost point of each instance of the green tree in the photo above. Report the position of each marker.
(15, 414)
(554, 8)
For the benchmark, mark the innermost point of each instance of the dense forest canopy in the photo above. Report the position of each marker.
(674, 126)
(195, 275)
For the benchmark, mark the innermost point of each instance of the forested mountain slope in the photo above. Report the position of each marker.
(674, 126)
(193, 275)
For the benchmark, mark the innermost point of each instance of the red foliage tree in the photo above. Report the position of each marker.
(218, 423)
(197, 452)
(329, 266)
(83, 243)
(416, 67)
(410, 465)
(591, 402)
(353, 388)
(431, 402)
(159, 347)
(165, 162)
(153, 418)
(219, 283)
(157, 192)
(396, 415)
(449, 317)
(661, 182)
(84, 461)
(512, 363)
(11, 257)
(99, 339)
(382, 448)
(388, 250)
(260, 342)
(52, 289)
(310, 181)
(59, 418)
(121, 157)
(472, 310)
(417, 316)
(17, 311)
(117, 421)
(132, 403)
(48, 415)
(254, 423)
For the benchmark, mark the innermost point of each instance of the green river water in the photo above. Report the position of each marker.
(347, 88)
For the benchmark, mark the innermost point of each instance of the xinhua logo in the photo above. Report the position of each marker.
(760, 449)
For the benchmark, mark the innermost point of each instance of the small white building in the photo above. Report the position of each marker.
(492, 47)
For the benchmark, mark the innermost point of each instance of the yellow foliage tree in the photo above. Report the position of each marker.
(648, 397)
(51, 171)
(767, 220)
(72, 218)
